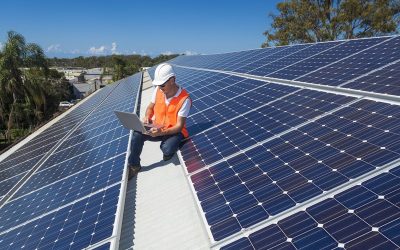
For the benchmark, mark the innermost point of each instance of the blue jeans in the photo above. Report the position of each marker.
(169, 145)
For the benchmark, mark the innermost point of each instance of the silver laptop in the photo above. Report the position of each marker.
(132, 121)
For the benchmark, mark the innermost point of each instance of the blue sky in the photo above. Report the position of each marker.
(98, 27)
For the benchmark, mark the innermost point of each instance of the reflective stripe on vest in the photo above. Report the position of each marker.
(167, 116)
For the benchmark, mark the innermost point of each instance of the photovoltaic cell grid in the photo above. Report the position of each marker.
(356, 65)
(364, 216)
(329, 63)
(245, 170)
(71, 201)
(301, 53)
(384, 81)
(15, 166)
(245, 120)
(268, 179)
(333, 54)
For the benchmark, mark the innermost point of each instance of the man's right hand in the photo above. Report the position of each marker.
(146, 120)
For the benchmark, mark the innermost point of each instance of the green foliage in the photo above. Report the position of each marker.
(119, 66)
(29, 90)
(301, 21)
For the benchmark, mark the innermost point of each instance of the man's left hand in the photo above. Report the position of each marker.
(154, 132)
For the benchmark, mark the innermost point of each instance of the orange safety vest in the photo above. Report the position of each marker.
(167, 115)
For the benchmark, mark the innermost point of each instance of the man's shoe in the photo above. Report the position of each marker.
(133, 171)
(167, 157)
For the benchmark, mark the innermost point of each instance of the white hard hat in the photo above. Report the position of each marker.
(163, 72)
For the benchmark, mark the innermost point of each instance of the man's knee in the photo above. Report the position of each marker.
(168, 149)
(137, 136)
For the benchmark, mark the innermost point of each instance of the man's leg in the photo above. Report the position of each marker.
(137, 143)
(136, 148)
(170, 145)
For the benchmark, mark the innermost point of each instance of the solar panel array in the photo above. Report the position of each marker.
(73, 199)
(270, 145)
(361, 217)
(291, 147)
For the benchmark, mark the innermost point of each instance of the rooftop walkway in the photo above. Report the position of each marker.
(160, 211)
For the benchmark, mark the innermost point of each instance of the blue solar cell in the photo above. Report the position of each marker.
(347, 227)
(385, 184)
(316, 238)
(105, 246)
(278, 204)
(391, 231)
(304, 192)
(252, 216)
(225, 228)
(378, 212)
(371, 239)
(243, 244)
(267, 237)
(297, 224)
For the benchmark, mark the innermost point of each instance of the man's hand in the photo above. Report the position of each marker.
(146, 120)
(154, 132)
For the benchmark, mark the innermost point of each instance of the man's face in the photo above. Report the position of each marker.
(166, 86)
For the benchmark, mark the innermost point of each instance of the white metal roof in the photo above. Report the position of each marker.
(160, 210)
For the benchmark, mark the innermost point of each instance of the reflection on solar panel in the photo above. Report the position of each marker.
(73, 198)
(269, 142)
(25, 158)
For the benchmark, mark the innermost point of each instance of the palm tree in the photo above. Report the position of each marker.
(15, 84)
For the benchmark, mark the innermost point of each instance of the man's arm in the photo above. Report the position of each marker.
(149, 113)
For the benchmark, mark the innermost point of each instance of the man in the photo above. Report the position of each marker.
(168, 109)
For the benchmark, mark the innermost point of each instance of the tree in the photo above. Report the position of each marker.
(13, 57)
(119, 68)
(302, 21)
(28, 88)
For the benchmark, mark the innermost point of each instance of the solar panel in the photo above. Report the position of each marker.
(363, 216)
(299, 55)
(338, 52)
(357, 65)
(287, 170)
(74, 196)
(24, 159)
(383, 81)
(263, 146)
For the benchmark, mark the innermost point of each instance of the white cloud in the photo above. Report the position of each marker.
(75, 51)
(53, 48)
(143, 53)
(1, 46)
(114, 49)
(167, 53)
(96, 51)
(190, 53)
